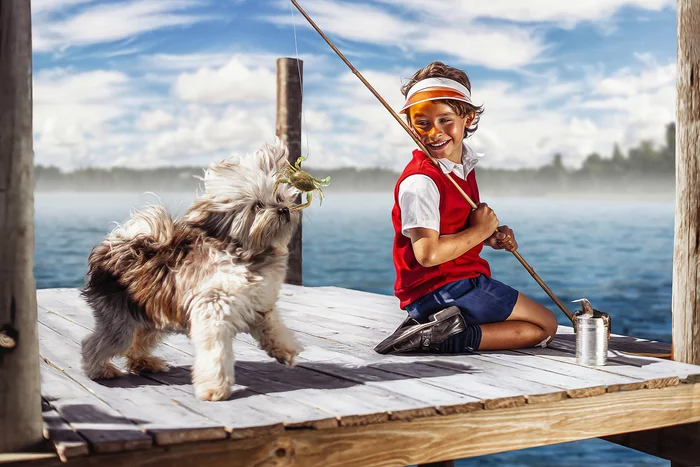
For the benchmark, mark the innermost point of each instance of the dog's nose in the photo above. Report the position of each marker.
(284, 212)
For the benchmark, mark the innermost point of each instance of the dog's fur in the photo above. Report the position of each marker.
(212, 273)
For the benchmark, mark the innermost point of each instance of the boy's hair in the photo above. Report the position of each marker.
(440, 70)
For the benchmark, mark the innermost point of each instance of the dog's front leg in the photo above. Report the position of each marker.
(275, 338)
(212, 336)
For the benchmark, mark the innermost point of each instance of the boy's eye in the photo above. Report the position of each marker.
(445, 120)
(421, 123)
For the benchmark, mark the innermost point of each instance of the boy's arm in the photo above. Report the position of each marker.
(431, 248)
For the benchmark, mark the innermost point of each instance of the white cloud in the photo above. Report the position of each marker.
(72, 112)
(454, 27)
(109, 22)
(69, 108)
(201, 135)
(41, 7)
(495, 46)
(174, 62)
(625, 82)
(155, 120)
(566, 14)
(232, 82)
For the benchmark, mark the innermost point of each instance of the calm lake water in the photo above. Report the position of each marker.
(616, 253)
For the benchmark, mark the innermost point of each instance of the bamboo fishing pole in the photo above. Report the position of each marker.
(427, 153)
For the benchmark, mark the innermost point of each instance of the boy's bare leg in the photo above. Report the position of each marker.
(528, 325)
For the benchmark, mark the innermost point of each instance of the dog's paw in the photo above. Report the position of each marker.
(146, 364)
(213, 391)
(285, 354)
(107, 371)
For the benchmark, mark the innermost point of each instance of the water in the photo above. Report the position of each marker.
(618, 254)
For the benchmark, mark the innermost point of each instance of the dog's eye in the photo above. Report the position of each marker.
(259, 205)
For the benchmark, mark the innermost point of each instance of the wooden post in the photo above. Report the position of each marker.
(20, 397)
(686, 256)
(289, 101)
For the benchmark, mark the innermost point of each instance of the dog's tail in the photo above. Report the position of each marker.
(130, 245)
(152, 222)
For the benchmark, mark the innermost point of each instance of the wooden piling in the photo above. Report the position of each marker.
(686, 257)
(289, 102)
(20, 399)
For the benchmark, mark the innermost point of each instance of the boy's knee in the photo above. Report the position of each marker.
(549, 331)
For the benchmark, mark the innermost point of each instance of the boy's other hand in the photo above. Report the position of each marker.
(502, 240)
(485, 219)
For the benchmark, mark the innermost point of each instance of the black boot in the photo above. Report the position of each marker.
(413, 337)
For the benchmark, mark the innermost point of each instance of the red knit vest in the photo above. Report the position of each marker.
(413, 280)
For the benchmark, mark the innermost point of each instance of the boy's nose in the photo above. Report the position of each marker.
(433, 132)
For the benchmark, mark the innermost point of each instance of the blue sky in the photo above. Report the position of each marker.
(146, 83)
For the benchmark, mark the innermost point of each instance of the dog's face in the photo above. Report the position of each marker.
(238, 202)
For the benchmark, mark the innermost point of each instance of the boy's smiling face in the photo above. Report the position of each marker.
(439, 128)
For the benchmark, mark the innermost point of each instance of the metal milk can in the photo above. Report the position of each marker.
(592, 328)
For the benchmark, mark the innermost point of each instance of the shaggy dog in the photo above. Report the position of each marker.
(212, 273)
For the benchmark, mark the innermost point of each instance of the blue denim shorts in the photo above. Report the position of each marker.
(481, 299)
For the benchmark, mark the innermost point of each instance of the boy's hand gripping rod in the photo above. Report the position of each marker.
(427, 153)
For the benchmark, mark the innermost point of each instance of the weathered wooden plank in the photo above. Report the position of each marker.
(591, 379)
(611, 381)
(326, 395)
(336, 335)
(524, 382)
(369, 315)
(380, 312)
(494, 389)
(434, 439)
(247, 414)
(546, 394)
(657, 372)
(383, 313)
(136, 397)
(103, 427)
(345, 400)
(355, 369)
(384, 316)
(67, 442)
(573, 387)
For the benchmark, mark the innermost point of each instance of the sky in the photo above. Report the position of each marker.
(149, 83)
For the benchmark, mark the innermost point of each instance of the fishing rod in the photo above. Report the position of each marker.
(427, 153)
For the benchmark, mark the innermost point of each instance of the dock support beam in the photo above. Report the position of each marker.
(20, 397)
(289, 102)
(681, 444)
(686, 255)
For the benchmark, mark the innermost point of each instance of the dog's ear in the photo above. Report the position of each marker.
(272, 157)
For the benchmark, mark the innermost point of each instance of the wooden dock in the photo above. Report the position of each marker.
(344, 404)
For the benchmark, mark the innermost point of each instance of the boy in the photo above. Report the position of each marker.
(453, 305)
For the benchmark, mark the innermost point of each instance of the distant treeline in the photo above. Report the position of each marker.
(643, 169)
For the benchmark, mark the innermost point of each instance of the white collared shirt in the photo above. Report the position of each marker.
(419, 198)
